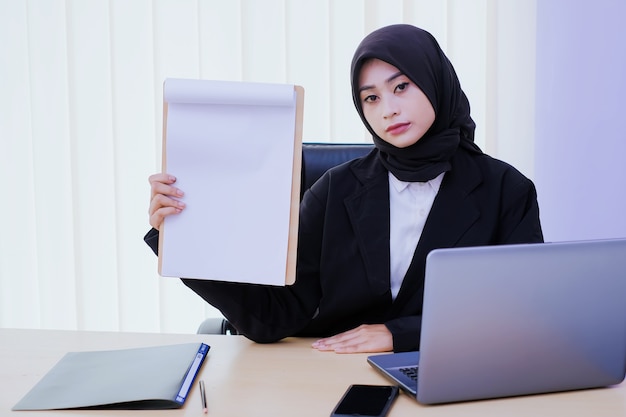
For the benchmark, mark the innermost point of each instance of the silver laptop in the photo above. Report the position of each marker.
(512, 320)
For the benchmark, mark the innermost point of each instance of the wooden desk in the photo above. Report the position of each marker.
(244, 379)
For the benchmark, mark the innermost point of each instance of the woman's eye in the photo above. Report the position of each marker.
(370, 99)
(402, 86)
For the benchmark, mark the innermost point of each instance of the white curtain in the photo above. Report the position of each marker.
(81, 123)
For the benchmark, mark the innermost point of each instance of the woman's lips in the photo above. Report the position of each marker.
(397, 128)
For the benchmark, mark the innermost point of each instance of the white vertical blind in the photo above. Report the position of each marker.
(135, 102)
(81, 122)
(17, 236)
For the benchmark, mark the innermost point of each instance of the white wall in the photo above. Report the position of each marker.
(580, 161)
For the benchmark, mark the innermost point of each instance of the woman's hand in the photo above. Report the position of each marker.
(365, 338)
(163, 198)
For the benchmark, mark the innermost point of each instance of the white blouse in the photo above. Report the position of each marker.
(409, 205)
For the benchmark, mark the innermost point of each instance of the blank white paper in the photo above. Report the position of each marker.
(231, 147)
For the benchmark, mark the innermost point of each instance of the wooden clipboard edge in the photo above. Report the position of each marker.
(163, 169)
(292, 245)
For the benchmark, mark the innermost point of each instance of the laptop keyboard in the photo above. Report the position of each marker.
(410, 371)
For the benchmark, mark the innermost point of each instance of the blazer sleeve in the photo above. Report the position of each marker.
(405, 332)
(152, 239)
(264, 314)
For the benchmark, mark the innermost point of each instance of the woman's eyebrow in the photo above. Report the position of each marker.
(387, 81)
(394, 76)
(365, 87)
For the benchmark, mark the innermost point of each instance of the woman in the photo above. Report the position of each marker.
(367, 225)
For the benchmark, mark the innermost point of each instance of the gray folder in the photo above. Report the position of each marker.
(156, 377)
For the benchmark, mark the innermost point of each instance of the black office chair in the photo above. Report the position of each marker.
(317, 158)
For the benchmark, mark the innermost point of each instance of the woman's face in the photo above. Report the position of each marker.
(396, 109)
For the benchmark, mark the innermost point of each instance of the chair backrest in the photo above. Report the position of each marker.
(317, 158)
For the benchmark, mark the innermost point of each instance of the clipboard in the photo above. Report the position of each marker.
(236, 151)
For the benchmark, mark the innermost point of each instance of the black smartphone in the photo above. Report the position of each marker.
(366, 400)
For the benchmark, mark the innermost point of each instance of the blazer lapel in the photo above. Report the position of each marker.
(453, 211)
(368, 210)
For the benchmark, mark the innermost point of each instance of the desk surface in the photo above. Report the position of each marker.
(247, 379)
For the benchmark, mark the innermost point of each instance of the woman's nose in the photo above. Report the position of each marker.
(390, 108)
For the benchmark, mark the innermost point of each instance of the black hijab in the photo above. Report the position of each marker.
(417, 55)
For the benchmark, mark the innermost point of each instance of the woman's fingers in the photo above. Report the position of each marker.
(163, 198)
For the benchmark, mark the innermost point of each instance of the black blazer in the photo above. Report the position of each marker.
(343, 250)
